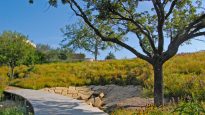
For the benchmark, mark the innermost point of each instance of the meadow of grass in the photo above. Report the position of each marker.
(184, 75)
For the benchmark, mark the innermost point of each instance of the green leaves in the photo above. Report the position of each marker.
(15, 49)
(80, 36)
(190, 108)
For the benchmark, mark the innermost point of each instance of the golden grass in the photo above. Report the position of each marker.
(183, 74)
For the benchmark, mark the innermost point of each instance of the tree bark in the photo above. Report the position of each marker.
(96, 50)
(96, 54)
(158, 85)
(12, 73)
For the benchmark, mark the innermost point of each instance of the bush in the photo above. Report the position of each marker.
(110, 56)
(13, 111)
(190, 108)
(3, 83)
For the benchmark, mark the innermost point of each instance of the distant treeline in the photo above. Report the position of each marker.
(47, 54)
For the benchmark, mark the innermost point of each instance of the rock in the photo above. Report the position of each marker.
(72, 91)
(64, 93)
(58, 91)
(90, 104)
(84, 96)
(91, 87)
(98, 88)
(108, 96)
(69, 95)
(101, 95)
(91, 101)
(46, 89)
(86, 92)
(71, 88)
(51, 91)
(135, 103)
(83, 88)
(75, 96)
(117, 93)
(97, 102)
(61, 88)
(96, 93)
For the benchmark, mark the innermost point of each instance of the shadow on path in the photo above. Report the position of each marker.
(53, 104)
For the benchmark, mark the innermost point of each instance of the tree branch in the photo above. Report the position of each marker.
(199, 40)
(173, 46)
(171, 9)
(141, 28)
(198, 20)
(195, 35)
(114, 40)
(142, 46)
(184, 36)
(156, 8)
(198, 27)
(161, 18)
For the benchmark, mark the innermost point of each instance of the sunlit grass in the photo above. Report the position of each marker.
(183, 75)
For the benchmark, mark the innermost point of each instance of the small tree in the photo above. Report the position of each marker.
(80, 36)
(110, 56)
(15, 50)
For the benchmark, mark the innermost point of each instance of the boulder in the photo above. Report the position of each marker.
(91, 87)
(91, 101)
(101, 88)
(135, 103)
(97, 102)
(84, 96)
(96, 93)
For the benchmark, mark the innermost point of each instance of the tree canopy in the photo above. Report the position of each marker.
(80, 36)
(15, 50)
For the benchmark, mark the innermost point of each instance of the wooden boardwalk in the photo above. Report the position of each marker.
(53, 104)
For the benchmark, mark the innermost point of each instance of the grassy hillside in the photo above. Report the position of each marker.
(183, 75)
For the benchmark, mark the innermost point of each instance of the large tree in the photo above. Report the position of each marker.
(15, 49)
(177, 21)
(80, 36)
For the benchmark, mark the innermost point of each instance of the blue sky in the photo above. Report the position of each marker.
(42, 24)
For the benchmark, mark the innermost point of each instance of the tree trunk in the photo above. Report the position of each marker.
(96, 50)
(158, 85)
(96, 55)
(12, 73)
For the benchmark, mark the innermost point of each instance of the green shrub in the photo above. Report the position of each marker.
(190, 108)
(13, 111)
